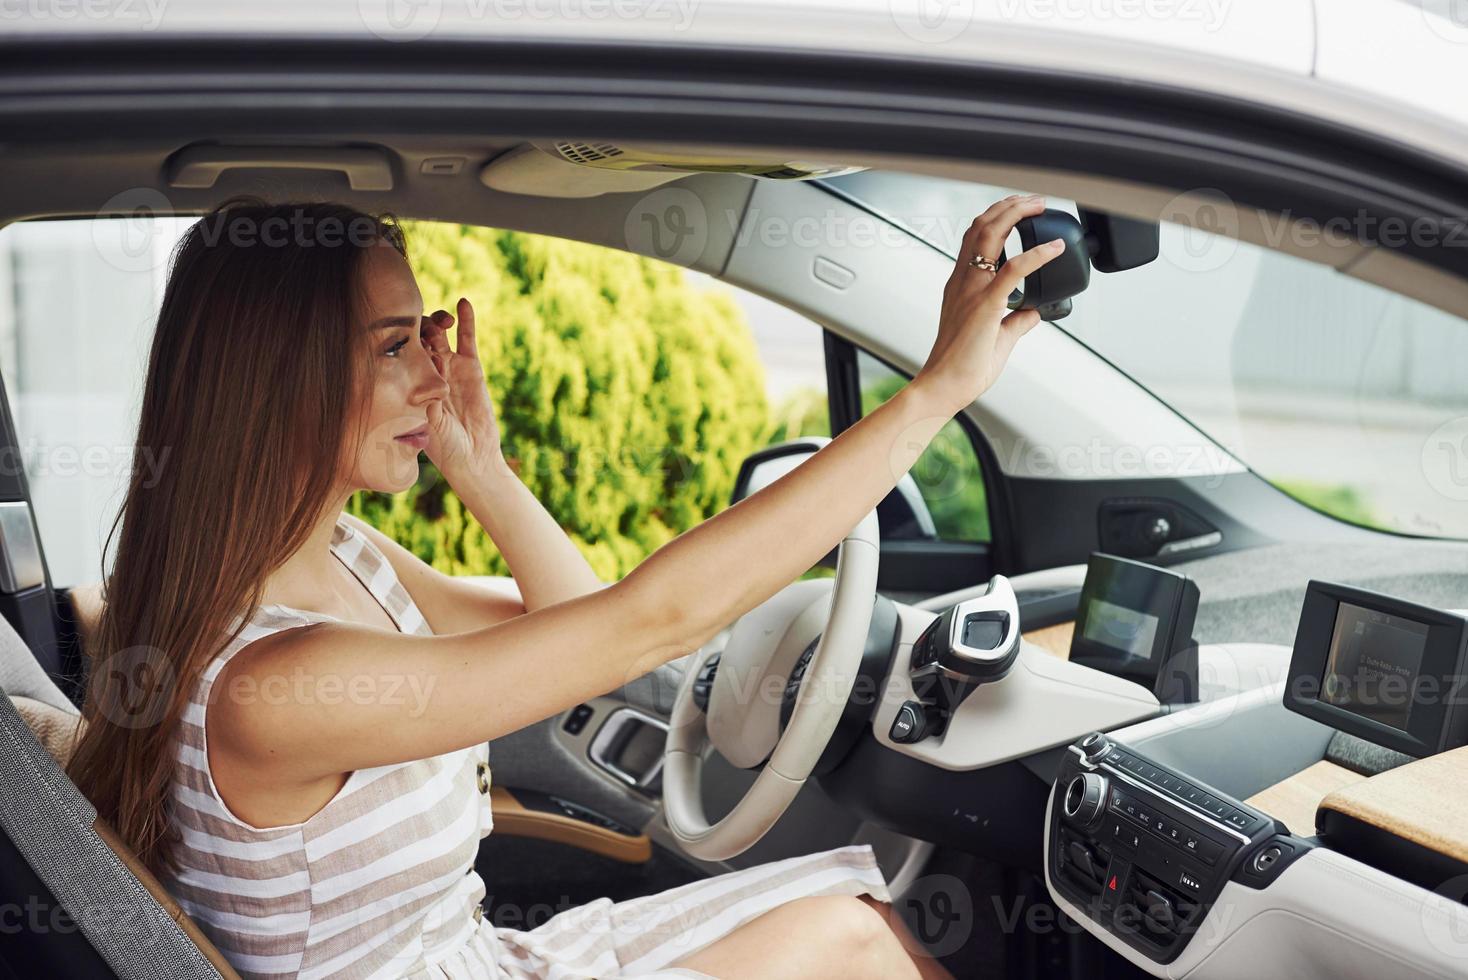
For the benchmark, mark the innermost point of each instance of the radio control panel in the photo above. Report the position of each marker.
(1144, 851)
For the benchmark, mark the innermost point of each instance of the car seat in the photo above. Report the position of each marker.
(85, 906)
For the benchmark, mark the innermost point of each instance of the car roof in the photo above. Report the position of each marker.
(1390, 67)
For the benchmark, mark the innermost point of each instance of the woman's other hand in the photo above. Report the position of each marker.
(462, 429)
(975, 336)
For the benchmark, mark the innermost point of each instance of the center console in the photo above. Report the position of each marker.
(1144, 851)
(1183, 879)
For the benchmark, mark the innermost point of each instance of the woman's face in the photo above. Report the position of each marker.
(401, 380)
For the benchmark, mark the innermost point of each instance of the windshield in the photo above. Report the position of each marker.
(1344, 394)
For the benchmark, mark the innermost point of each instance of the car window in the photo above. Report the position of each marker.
(947, 473)
(1344, 394)
(78, 302)
(791, 351)
(652, 384)
(792, 358)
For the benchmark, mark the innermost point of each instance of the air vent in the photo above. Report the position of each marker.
(587, 152)
(1082, 866)
(1153, 912)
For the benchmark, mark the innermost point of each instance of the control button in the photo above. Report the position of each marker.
(1160, 825)
(1202, 848)
(1125, 836)
(1267, 858)
(1190, 882)
(1216, 807)
(1159, 909)
(577, 719)
(1114, 884)
(1115, 757)
(1116, 799)
(1094, 746)
(1174, 833)
(1144, 817)
(1237, 819)
(703, 684)
(909, 724)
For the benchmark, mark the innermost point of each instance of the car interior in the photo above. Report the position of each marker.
(1125, 734)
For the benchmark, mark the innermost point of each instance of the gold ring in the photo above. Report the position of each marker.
(979, 262)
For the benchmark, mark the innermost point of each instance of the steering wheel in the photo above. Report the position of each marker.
(744, 700)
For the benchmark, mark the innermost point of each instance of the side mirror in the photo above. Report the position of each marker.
(902, 515)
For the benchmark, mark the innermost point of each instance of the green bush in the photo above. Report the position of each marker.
(626, 397)
(947, 473)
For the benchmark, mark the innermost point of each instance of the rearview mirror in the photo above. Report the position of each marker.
(1117, 244)
(1049, 288)
(1107, 242)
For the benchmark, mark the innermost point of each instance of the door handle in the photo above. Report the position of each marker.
(614, 735)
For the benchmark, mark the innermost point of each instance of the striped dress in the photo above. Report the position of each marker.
(381, 883)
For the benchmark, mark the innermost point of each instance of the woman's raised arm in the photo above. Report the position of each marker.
(362, 697)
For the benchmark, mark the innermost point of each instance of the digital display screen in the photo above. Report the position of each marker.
(1373, 665)
(1119, 628)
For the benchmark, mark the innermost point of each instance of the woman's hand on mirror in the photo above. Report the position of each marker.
(976, 330)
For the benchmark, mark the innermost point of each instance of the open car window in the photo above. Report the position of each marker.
(79, 300)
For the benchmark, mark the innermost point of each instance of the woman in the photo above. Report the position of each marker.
(327, 823)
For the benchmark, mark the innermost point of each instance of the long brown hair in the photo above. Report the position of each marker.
(255, 369)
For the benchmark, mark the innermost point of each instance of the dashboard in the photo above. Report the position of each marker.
(1162, 752)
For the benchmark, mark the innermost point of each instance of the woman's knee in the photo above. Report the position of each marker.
(833, 936)
(844, 923)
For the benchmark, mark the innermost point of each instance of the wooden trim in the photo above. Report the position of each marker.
(1295, 799)
(160, 894)
(1054, 640)
(514, 820)
(1422, 802)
